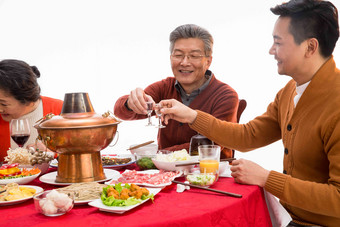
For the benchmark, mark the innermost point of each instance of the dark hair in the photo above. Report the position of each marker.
(19, 80)
(192, 31)
(312, 19)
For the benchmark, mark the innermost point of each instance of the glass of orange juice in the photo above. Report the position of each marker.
(209, 158)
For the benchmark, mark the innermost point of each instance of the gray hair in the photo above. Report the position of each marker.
(192, 31)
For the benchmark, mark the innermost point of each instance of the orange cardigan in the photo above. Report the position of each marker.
(50, 105)
(309, 187)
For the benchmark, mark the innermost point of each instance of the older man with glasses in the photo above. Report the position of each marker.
(193, 84)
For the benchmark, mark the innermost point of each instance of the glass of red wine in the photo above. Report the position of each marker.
(20, 131)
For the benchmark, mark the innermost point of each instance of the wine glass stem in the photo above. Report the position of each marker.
(159, 120)
(149, 118)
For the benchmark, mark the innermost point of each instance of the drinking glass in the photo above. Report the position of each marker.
(149, 109)
(20, 131)
(158, 108)
(209, 158)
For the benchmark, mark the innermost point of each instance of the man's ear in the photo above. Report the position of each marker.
(209, 61)
(312, 47)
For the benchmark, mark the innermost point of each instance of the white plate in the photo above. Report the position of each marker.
(83, 202)
(150, 171)
(6, 203)
(54, 163)
(119, 210)
(50, 178)
(20, 180)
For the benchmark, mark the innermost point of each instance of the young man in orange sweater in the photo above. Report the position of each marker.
(305, 115)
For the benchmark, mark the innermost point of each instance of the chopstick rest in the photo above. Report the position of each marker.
(182, 188)
(209, 189)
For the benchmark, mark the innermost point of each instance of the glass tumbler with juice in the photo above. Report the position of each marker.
(209, 158)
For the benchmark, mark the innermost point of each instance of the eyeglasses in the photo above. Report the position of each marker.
(190, 57)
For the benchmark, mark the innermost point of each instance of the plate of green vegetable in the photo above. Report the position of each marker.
(115, 204)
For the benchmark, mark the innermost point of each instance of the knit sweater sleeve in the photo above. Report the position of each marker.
(121, 111)
(241, 137)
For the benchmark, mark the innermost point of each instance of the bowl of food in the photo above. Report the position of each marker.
(202, 179)
(53, 203)
(144, 161)
(32, 158)
(149, 149)
(175, 161)
(43, 167)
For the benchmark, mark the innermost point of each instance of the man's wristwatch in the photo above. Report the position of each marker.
(126, 105)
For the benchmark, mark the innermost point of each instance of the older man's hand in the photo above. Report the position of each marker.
(137, 101)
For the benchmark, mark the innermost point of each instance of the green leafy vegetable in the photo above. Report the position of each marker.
(145, 163)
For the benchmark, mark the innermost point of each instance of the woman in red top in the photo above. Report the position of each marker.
(20, 98)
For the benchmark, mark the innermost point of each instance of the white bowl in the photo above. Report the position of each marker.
(223, 166)
(171, 166)
(150, 149)
(202, 179)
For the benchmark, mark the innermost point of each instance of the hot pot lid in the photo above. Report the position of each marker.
(76, 120)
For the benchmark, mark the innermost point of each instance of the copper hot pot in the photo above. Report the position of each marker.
(78, 135)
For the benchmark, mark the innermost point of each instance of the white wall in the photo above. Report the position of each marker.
(108, 47)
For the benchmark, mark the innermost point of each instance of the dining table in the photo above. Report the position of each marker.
(193, 207)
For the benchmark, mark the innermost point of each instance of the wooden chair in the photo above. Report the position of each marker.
(242, 104)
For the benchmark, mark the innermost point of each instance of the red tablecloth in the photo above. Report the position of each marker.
(195, 207)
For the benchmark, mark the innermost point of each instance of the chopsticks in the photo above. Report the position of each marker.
(196, 163)
(140, 145)
(209, 189)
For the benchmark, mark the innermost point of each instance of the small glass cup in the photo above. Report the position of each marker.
(149, 109)
(158, 108)
(209, 158)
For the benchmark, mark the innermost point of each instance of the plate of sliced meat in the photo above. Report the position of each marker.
(148, 178)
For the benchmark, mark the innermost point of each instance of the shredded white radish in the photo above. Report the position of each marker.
(18, 155)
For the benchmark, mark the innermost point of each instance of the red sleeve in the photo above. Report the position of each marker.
(123, 113)
(51, 105)
(4, 138)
